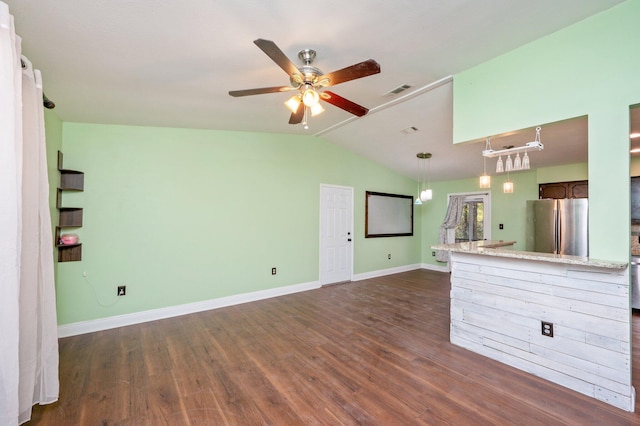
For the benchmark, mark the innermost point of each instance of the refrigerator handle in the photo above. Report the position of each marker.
(557, 231)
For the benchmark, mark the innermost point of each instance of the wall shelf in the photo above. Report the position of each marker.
(69, 217)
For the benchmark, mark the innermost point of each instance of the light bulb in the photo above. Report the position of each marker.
(293, 103)
(507, 187)
(525, 162)
(508, 165)
(426, 195)
(485, 181)
(310, 97)
(499, 167)
(316, 109)
(517, 164)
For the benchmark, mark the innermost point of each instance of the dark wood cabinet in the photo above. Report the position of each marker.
(573, 189)
(70, 217)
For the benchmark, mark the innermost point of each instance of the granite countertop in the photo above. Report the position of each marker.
(501, 248)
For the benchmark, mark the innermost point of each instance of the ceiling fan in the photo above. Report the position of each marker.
(309, 83)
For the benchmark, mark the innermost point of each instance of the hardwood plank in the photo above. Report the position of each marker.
(370, 352)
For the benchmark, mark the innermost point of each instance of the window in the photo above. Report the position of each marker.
(475, 222)
(471, 226)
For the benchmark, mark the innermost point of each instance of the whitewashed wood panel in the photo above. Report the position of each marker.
(560, 316)
(606, 306)
(497, 305)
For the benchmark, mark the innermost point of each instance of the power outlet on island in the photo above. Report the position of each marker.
(547, 329)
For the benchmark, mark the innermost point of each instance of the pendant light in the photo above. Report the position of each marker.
(418, 201)
(517, 164)
(485, 179)
(508, 165)
(507, 186)
(426, 194)
(499, 166)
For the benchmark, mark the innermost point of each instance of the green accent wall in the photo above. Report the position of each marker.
(53, 132)
(185, 215)
(590, 68)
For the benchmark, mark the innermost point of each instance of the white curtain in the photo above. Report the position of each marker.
(28, 326)
(451, 220)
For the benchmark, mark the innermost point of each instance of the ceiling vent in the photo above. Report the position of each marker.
(398, 89)
(409, 130)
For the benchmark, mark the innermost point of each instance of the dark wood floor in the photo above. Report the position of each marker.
(368, 352)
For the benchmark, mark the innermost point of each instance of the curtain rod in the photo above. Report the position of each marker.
(48, 103)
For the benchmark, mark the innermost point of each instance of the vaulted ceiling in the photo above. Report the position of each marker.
(152, 63)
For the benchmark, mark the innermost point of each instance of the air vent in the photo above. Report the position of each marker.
(399, 89)
(409, 130)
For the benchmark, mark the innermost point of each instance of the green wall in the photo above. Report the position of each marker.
(183, 215)
(53, 131)
(590, 68)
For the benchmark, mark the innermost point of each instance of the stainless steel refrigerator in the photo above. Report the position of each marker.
(558, 226)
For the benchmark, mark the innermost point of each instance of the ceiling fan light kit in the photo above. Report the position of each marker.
(309, 81)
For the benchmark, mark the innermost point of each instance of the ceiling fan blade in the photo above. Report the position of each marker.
(344, 103)
(259, 91)
(362, 69)
(296, 117)
(277, 56)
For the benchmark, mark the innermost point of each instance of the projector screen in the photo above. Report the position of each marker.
(388, 215)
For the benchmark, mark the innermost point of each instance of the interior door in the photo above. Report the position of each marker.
(336, 234)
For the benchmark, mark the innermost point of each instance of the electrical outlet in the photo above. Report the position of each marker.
(273, 271)
(501, 226)
(433, 253)
(84, 274)
(547, 329)
(122, 290)
(389, 256)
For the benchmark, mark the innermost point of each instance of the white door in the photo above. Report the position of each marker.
(336, 234)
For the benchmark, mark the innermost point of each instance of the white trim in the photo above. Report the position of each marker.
(83, 327)
(436, 268)
(417, 92)
(383, 272)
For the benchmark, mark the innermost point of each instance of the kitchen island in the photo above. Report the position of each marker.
(563, 318)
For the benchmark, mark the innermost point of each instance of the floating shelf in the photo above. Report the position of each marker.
(70, 217)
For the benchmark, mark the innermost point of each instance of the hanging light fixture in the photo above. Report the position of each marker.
(309, 99)
(426, 194)
(518, 163)
(418, 201)
(508, 165)
(507, 186)
(485, 179)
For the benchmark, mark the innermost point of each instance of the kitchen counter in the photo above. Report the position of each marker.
(563, 318)
(501, 248)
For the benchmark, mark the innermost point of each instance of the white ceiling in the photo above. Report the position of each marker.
(154, 63)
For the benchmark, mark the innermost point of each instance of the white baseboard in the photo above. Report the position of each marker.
(116, 321)
(83, 327)
(436, 268)
(383, 272)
